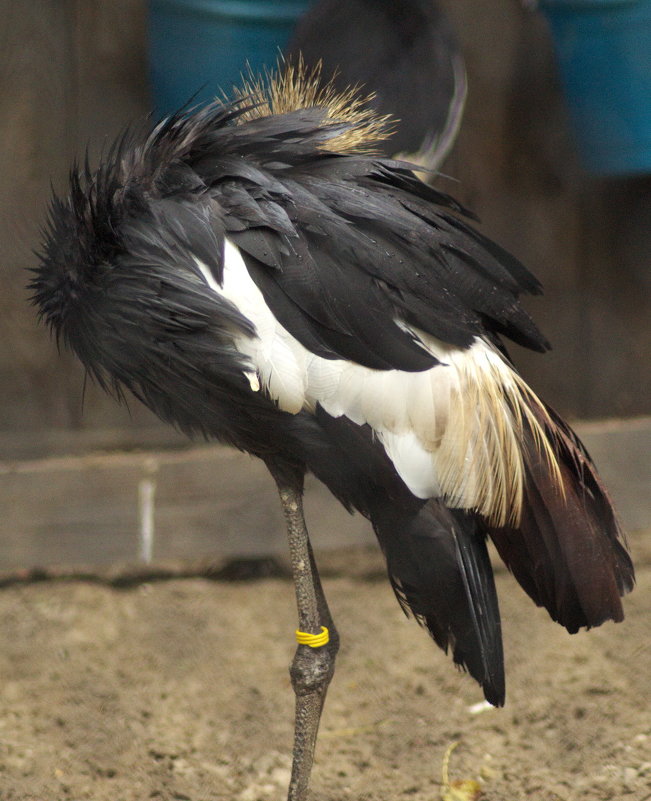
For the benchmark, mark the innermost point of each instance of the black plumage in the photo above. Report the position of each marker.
(360, 262)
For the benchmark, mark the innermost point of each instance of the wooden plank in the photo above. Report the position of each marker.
(71, 72)
(212, 502)
(616, 284)
(622, 451)
(68, 512)
(111, 77)
(35, 149)
(515, 167)
(29, 445)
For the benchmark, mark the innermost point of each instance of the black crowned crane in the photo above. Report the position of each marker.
(253, 274)
(403, 51)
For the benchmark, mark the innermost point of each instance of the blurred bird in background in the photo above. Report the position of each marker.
(405, 53)
(255, 273)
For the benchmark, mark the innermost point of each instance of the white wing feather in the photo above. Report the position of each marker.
(453, 431)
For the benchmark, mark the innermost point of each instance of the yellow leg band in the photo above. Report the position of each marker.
(313, 640)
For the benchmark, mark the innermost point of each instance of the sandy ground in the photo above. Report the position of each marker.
(179, 689)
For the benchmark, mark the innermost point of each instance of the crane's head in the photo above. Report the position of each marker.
(81, 242)
(117, 281)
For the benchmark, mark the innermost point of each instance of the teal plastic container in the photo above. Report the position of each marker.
(604, 52)
(201, 47)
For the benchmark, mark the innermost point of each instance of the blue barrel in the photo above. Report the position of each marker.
(201, 47)
(604, 52)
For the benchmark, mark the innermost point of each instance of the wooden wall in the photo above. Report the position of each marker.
(74, 72)
(589, 241)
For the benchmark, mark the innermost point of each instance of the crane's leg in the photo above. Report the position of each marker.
(312, 668)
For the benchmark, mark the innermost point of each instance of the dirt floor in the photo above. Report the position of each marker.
(178, 689)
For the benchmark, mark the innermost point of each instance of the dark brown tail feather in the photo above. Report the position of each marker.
(569, 553)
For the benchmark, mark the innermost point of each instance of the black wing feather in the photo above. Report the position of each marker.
(437, 559)
(318, 229)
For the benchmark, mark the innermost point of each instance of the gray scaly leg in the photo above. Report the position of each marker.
(312, 667)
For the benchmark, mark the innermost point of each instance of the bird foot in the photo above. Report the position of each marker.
(310, 672)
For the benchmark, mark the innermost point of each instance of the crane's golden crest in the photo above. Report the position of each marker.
(291, 87)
